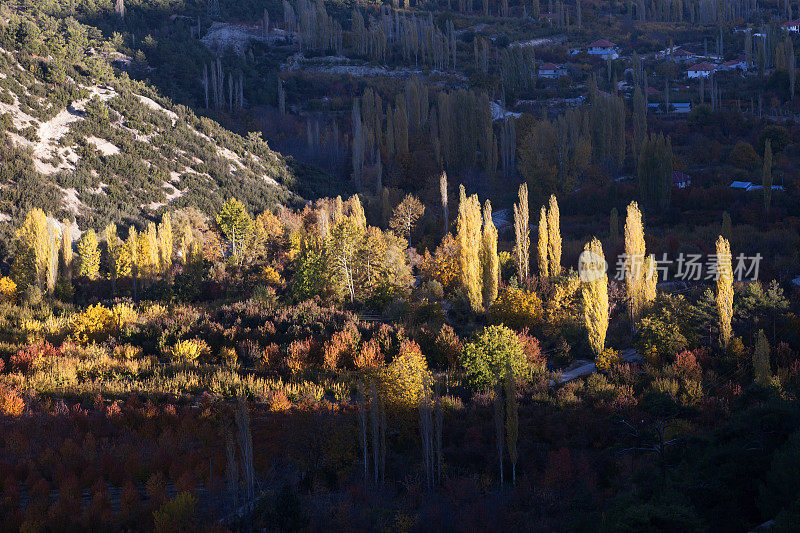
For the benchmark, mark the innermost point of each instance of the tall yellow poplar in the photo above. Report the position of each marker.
(32, 251)
(491, 261)
(356, 210)
(53, 238)
(522, 233)
(650, 279)
(595, 295)
(165, 243)
(66, 250)
(541, 249)
(724, 289)
(148, 252)
(133, 253)
(469, 244)
(634, 261)
(554, 237)
(88, 255)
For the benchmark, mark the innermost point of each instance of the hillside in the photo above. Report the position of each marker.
(85, 142)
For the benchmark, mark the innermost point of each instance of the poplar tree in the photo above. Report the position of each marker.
(356, 210)
(522, 232)
(766, 175)
(634, 261)
(148, 252)
(443, 195)
(88, 255)
(66, 250)
(468, 238)
(554, 237)
(490, 259)
(650, 279)
(133, 252)
(31, 254)
(165, 244)
(762, 372)
(512, 422)
(724, 289)
(53, 255)
(613, 225)
(542, 245)
(595, 295)
(113, 249)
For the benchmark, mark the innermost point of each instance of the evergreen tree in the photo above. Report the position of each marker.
(724, 290)
(88, 255)
(595, 295)
(554, 237)
(489, 257)
(468, 237)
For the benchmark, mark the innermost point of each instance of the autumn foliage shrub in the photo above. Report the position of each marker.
(403, 381)
(28, 358)
(342, 347)
(516, 308)
(299, 355)
(189, 351)
(95, 324)
(369, 355)
(11, 404)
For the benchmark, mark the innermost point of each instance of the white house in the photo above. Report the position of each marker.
(551, 71)
(604, 49)
(734, 64)
(701, 70)
(792, 26)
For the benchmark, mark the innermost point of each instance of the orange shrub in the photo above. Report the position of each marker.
(342, 346)
(11, 404)
(369, 356)
(299, 355)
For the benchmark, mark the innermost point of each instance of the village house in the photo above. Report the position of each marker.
(679, 55)
(792, 26)
(701, 70)
(551, 71)
(734, 64)
(604, 49)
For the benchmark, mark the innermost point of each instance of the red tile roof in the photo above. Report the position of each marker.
(602, 43)
(549, 66)
(703, 67)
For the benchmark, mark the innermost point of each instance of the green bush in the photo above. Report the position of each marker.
(487, 358)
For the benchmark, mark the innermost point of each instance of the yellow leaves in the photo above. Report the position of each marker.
(402, 383)
(724, 289)
(606, 359)
(189, 351)
(516, 308)
(595, 295)
(442, 266)
(88, 255)
(95, 324)
(8, 289)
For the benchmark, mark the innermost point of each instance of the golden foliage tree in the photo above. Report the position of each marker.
(724, 289)
(541, 248)
(32, 253)
(634, 261)
(66, 250)
(469, 240)
(165, 244)
(405, 216)
(489, 257)
(595, 295)
(522, 234)
(554, 237)
(88, 255)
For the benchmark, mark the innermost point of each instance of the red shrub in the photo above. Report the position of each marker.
(26, 358)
